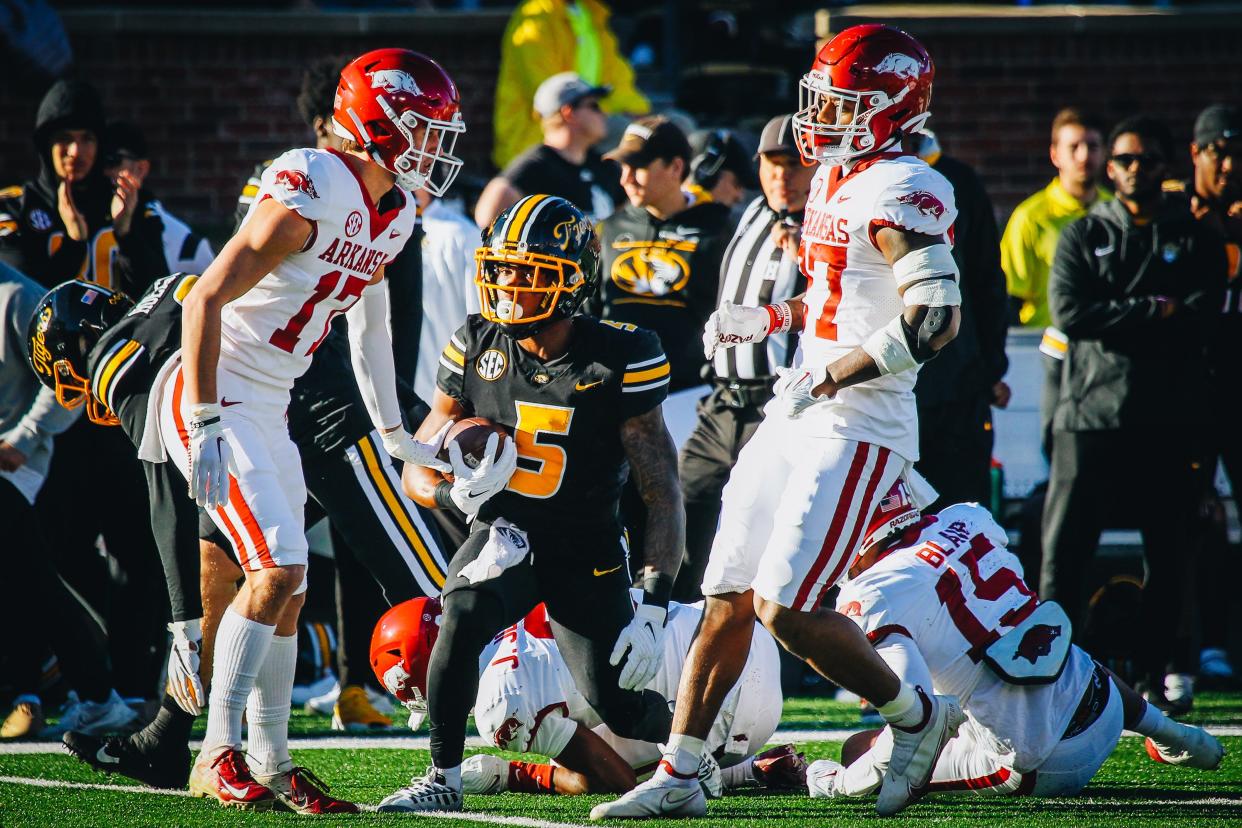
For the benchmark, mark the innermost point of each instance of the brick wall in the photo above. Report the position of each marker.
(216, 91)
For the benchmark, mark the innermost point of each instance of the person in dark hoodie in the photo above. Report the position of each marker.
(71, 222)
(662, 251)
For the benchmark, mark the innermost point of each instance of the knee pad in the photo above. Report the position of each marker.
(645, 716)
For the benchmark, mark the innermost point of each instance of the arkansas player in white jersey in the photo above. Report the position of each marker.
(882, 299)
(944, 603)
(313, 246)
(528, 703)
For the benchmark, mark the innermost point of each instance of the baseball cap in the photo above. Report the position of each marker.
(720, 149)
(650, 138)
(1216, 122)
(778, 136)
(564, 89)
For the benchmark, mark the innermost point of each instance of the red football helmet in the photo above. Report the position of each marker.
(867, 86)
(895, 513)
(401, 647)
(404, 110)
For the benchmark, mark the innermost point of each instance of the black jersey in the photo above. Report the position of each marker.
(125, 361)
(565, 414)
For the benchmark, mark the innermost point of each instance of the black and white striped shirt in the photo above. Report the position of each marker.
(756, 272)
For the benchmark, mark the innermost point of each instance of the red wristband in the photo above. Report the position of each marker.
(780, 317)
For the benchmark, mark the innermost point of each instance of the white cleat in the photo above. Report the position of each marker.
(661, 796)
(915, 753)
(1200, 749)
(821, 778)
(97, 718)
(710, 778)
(431, 793)
(484, 774)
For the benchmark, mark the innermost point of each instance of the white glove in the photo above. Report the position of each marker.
(402, 446)
(793, 390)
(184, 685)
(211, 458)
(644, 638)
(473, 487)
(731, 325)
(418, 712)
(506, 546)
(821, 778)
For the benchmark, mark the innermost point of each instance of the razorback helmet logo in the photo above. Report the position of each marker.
(393, 81)
(924, 202)
(852, 609)
(507, 732)
(296, 181)
(903, 66)
(1037, 642)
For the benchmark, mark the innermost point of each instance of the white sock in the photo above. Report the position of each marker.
(267, 708)
(452, 777)
(1161, 728)
(906, 710)
(241, 649)
(740, 774)
(684, 753)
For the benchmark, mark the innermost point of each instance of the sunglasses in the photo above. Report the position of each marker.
(1126, 159)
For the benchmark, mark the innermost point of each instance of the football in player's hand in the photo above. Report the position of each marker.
(471, 436)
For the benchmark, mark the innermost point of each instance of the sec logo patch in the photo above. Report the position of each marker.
(353, 224)
(491, 365)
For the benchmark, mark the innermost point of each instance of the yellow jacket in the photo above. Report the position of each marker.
(1030, 243)
(538, 43)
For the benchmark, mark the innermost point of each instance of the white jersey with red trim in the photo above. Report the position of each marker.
(269, 333)
(954, 590)
(851, 289)
(528, 703)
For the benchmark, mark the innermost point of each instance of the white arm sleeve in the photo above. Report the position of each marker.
(370, 351)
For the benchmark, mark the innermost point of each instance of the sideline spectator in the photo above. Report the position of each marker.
(71, 222)
(955, 391)
(1136, 285)
(125, 151)
(1214, 195)
(760, 267)
(564, 164)
(40, 613)
(544, 38)
(721, 167)
(662, 251)
(1030, 239)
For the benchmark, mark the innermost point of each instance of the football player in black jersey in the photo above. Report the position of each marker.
(582, 401)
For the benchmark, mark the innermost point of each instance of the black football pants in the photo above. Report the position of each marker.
(583, 579)
(704, 465)
(1151, 473)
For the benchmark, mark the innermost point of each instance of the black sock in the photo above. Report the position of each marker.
(170, 728)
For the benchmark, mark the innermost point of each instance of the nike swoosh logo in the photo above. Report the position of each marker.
(843, 198)
(238, 794)
(672, 798)
(473, 495)
(227, 403)
(584, 386)
(395, 232)
(107, 758)
(599, 572)
(1104, 251)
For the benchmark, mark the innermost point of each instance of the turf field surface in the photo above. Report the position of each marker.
(40, 786)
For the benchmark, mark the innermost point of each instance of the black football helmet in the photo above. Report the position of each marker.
(553, 248)
(67, 323)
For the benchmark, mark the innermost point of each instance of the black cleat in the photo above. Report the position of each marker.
(161, 767)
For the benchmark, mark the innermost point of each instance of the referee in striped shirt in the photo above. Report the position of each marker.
(760, 266)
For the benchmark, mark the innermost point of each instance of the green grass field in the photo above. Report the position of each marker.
(56, 790)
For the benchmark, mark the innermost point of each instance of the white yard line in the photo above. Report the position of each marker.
(465, 816)
(423, 742)
(525, 822)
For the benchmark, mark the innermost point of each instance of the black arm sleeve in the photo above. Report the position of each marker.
(405, 297)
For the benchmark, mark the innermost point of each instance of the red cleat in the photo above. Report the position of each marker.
(300, 791)
(227, 779)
